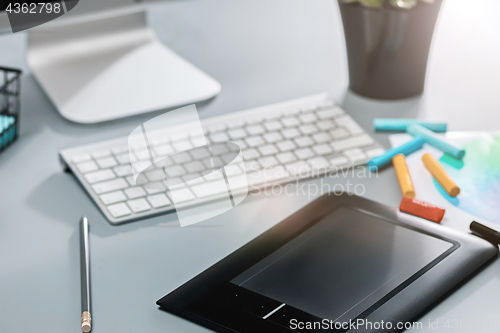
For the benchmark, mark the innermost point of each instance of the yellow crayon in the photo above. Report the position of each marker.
(403, 174)
(440, 174)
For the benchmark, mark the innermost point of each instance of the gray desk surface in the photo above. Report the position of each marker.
(262, 51)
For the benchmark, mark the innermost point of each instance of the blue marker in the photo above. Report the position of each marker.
(386, 158)
(438, 141)
(400, 125)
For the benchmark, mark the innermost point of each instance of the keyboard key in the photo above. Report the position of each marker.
(81, 158)
(216, 175)
(267, 175)
(181, 195)
(219, 137)
(290, 133)
(125, 158)
(101, 154)
(110, 185)
(268, 162)
(285, 158)
(355, 155)
(330, 113)
(375, 152)
(304, 141)
(179, 136)
(163, 162)
(119, 210)
(138, 205)
(325, 125)
(270, 115)
(272, 137)
(175, 171)
(208, 189)
(119, 150)
(195, 166)
(142, 154)
(159, 140)
(339, 133)
(182, 145)
(155, 175)
(192, 178)
(130, 180)
(171, 181)
(308, 129)
(286, 145)
(240, 143)
(255, 130)
(291, 111)
(322, 137)
(99, 176)
(199, 153)
(217, 128)
(339, 161)
(237, 133)
(268, 150)
(113, 197)
(254, 120)
(228, 158)
(318, 163)
(232, 170)
(139, 166)
(350, 124)
(193, 133)
(254, 141)
(290, 122)
(106, 162)
(138, 144)
(87, 166)
(219, 149)
(322, 149)
(153, 188)
(252, 165)
(300, 168)
(304, 153)
(250, 154)
(273, 125)
(357, 141)
(123, 170)
(214, 162)
(198, 141)
(181, 157)
(135, 192)
(163, 150)
(235, 124)
(307, 118)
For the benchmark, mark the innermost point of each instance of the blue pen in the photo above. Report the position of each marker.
(380, 161)
(438, 141)
(395, 124)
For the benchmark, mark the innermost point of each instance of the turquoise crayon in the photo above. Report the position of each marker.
(386, 158)
(400, 125)
(438, 141)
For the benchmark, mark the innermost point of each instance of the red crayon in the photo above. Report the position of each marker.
(421, 209)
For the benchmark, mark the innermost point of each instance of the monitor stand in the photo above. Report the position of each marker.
(114, 67)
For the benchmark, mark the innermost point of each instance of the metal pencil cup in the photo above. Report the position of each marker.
(388, 47)
(9, 105)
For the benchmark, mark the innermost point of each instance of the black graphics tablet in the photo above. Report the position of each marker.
(342, 263)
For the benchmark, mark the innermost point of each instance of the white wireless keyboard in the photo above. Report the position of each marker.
(293, 140)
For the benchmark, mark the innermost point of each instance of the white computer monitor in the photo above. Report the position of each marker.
(101, 61)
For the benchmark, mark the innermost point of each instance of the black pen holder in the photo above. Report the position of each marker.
(10, 83)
